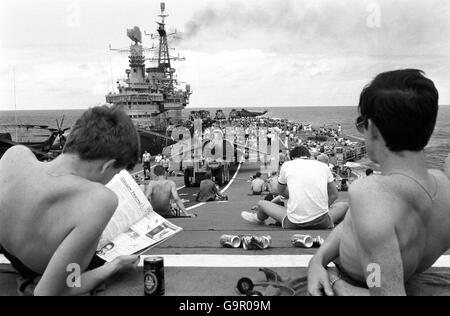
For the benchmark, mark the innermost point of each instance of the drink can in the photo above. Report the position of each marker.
(230, 241)
(154, 282)
(302, 241)
(256, 243)
(267, 241)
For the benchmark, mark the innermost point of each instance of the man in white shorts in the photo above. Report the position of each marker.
(312, 194)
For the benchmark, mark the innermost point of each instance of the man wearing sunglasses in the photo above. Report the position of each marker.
(397, 227)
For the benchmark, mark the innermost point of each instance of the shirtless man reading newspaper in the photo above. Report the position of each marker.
(53, 214)
(398, 222)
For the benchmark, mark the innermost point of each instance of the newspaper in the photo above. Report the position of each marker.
(134, 227)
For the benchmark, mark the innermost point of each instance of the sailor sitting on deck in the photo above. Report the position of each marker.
(162, 192)
(397, 227)
(258, 185)
(312, 194)
(209, 191)
(53, 214)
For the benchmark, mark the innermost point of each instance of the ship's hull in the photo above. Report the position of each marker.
(153, 141)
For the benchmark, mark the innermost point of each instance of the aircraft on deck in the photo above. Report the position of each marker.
(45, 149)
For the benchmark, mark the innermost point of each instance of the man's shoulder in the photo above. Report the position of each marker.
(376, 194)
(97, 191)
(369, 185)
(17, 153)
(170, 183)
(102, 201)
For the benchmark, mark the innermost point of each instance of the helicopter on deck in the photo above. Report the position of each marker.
(47, 147)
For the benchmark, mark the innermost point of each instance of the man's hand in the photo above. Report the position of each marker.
(318, 280)
(125, 263)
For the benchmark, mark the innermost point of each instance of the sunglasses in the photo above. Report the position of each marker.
(360, 124)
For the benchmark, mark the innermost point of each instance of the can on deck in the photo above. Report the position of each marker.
(230, 241)
(302, 241)
(154, 283)
(306, 241)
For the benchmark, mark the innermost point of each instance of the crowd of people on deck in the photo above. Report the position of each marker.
(396, 226)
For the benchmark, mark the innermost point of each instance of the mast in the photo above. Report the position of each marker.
(15, 101)
(163, 58)
(163, 54)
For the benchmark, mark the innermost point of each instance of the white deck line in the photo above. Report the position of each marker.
(249, 261)
(234, 261)
(243, 261)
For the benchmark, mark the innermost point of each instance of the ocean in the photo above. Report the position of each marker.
(437, 150)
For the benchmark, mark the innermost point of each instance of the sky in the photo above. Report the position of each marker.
(238, 53)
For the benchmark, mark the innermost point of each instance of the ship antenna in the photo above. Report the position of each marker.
(163, 14)
(111, 70)
(15, 100)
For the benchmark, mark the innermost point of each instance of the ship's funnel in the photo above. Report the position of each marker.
(163, 6)
(188, 88)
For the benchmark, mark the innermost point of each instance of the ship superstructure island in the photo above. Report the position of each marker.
(152, 96)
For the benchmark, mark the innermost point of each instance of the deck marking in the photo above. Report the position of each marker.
(242, 261)
(226, 188)
(195, 206)
(232, 179)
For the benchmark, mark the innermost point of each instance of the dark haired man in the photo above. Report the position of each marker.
(53, 214)
(209, 191)
(161, 192)
(309, 185)
(258, 185)
(398, 224)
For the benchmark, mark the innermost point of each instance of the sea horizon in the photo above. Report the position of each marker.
(203, 107)
(330, 116)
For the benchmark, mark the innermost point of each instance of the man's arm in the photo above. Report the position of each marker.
(332, 193)
(177, 199)
(149, 191)
(283, 189)
(318, 280)
(78, 249)
(216, 190)
(374, 209)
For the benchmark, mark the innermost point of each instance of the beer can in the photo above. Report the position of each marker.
(154, 283)
(230, 241)
(302, 241)
(267, 241)
(256, 243)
